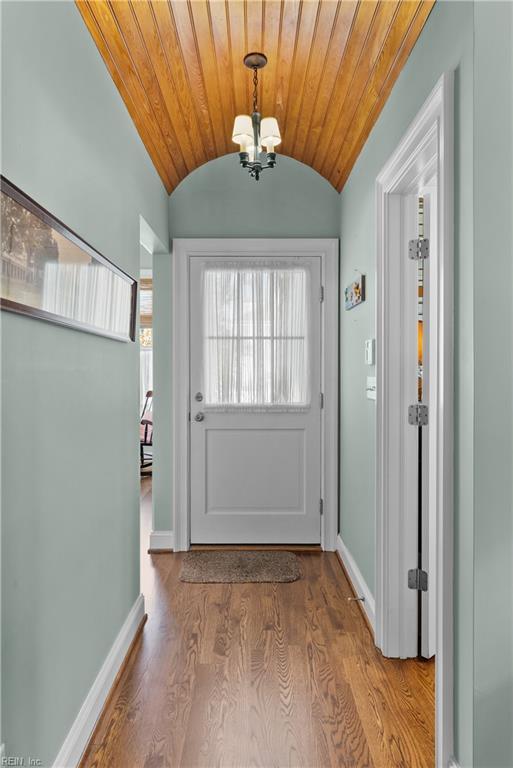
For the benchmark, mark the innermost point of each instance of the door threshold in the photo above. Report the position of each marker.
(305, 548)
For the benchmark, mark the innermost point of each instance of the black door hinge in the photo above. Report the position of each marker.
(418, 579)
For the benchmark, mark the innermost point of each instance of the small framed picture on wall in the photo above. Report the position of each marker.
(354, 293)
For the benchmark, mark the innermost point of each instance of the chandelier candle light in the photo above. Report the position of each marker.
(252, 132)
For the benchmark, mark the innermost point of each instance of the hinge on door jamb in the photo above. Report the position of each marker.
(418, 415)
(418, 249)
(321, 400)
(321, 507)
(321, 296)
(418, 579)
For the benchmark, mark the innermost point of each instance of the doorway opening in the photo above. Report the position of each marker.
(145, 400)
(149, 247)
(255, 334)
(414, 401)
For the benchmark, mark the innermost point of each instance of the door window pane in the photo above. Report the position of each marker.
(256, 336)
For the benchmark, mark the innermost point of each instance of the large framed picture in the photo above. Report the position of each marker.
(48, 272)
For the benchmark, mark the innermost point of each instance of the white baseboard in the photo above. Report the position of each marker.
(453, 763)
(161, 540)
(358, 582)
(81, 730)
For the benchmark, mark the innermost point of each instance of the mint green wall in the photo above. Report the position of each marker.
(220, 200)
(445, 43)
(69, 399)
(493, 414)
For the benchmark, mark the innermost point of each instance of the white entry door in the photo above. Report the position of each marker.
(255, 383)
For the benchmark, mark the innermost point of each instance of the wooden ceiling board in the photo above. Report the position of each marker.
(163, 76)
(187, 41)
(303, 48)
(236, 20)
(314, 125)
(371, 111)
(271, 44)
(351, 56)
(166, 171)
(289, 22)
(217, 85)
(178, 78)
(323, 39)
(382, 25)
(178, 67)
(125, 17)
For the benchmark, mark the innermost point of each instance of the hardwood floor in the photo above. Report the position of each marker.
(235, 675)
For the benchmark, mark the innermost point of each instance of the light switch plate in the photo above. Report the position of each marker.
(370, 346)
(371, 388)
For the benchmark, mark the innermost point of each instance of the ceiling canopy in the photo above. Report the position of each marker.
(178, 64)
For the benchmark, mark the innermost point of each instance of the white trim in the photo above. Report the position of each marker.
(182, 251)
(435, 119)
(161, 540)
(180, 395)
(149, 240)
(359, 584)
(81, 730)
(329, 384)
(453, 763)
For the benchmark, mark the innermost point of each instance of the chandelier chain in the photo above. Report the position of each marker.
(255, 89)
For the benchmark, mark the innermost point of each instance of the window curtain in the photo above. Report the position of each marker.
(146, 373)
(256, 337)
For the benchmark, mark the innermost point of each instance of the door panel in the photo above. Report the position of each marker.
(255, 352)
(261, 466)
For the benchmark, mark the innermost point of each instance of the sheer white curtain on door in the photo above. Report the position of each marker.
(256, 336)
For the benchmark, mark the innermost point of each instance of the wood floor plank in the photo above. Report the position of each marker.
(262, 675)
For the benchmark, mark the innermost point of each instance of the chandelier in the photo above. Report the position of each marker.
(252, 132)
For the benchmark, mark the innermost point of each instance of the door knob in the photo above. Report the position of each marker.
(199, 416)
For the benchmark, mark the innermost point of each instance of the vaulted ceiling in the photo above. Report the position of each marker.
(178, 66)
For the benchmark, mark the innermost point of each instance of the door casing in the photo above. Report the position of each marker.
(426, 146)
(183, 249)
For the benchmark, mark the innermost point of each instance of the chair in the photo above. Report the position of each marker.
(146, 432)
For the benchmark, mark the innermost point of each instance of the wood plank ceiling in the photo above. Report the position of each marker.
(178, 66)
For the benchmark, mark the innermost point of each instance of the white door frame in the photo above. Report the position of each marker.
(183, 250)
(433, 126)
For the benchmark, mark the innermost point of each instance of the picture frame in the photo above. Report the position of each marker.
(354, 293)
(48, 272)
